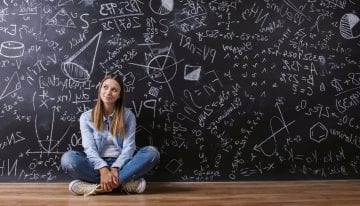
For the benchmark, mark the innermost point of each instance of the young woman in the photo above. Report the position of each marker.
(108, 138)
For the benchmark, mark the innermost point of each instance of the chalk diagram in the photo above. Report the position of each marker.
(12, 86)
(318, 132)
(228, 22)
(61, 19)
(161, 68)
(87, 2)
(64, 2)
(161, 7)
(174, 166)
(192, 72)
(143, 136)
(77, 67)
(350, 26)
(12, 49)
(269, 146)
(129, 79)
(47, 143)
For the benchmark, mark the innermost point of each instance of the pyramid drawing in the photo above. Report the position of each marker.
(62, 19)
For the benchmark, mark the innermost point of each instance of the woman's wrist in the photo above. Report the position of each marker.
(104, 170)
(115, 170)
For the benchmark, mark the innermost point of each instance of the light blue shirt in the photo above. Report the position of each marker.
(94, 140)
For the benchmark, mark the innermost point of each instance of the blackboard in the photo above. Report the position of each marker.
(227, 90)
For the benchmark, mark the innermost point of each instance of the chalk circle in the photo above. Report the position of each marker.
(12, 49)
(161, 7)
(75, 71)
(162, 68)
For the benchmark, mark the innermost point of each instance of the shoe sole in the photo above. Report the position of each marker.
(143, 186)
(70, 187)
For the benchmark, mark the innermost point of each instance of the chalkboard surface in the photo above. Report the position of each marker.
(227, 90)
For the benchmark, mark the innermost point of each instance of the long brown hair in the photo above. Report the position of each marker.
(118, 124)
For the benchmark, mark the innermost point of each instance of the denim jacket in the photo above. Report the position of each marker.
(93, 140)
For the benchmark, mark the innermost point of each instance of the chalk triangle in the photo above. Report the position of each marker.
(12, 86)
(78, 67)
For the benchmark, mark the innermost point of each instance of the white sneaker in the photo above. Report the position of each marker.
(79, 187)
(135, 186)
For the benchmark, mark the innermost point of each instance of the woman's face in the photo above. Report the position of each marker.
(110, 92)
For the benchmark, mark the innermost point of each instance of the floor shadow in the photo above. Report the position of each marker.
(166, 188)
(158, 188)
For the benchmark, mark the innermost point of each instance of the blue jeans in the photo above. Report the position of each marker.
(77, 165)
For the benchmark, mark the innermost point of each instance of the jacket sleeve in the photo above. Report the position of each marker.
(88, 143)
(129, 144)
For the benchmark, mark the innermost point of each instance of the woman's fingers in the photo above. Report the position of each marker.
(115, 182)
(115, 177)
(107, 187)
(109, 180)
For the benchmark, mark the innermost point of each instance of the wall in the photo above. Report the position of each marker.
(225, 89)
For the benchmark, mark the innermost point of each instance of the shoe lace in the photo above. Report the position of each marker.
(89, 189)
(131, 186)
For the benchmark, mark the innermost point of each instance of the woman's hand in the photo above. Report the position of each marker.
(106, 179)
(115, 173)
